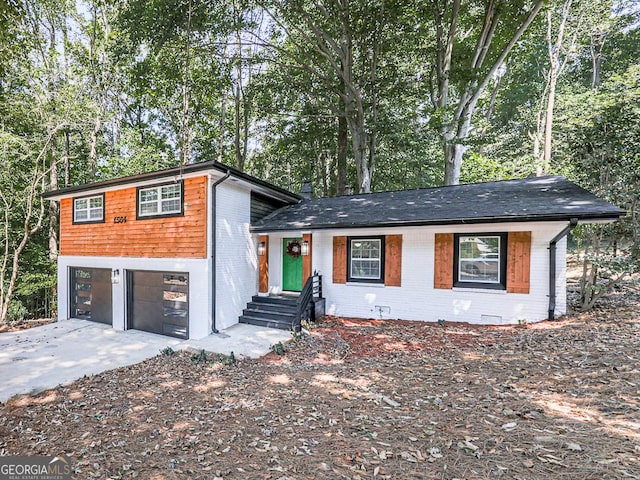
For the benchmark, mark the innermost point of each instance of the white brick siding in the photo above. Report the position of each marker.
(236, 253)
(416, 299)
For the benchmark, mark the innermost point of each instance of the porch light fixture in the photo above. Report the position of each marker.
(115, 276)
(262, 247)
(304, 250)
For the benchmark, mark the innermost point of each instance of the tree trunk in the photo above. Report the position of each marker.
(66, 159)
(30, 228)
(555, 68)
(343, 138)
(548, 123)
(456, 127)
(597, 44)
(186, 81)
(453, 153)
(353, 102)
(93, 146)
(53, 205)
(236, 125)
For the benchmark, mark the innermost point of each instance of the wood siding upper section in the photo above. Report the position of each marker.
(518, 262)
(443, 263)
(164, 237)
(393, 261)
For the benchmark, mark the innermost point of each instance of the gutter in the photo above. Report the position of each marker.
(429, 223)
(552, 265)
(213, 250)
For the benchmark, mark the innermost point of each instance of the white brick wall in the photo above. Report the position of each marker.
(416, 299)
(236, 253)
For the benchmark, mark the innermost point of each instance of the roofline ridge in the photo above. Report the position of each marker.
(400, 190)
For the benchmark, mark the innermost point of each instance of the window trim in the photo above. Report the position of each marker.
(351, 279)
(88, 220)
(158, 187)
(502, 267)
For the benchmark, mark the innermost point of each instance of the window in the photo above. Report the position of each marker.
(366, 259)
(163, 200)
(480, 260)
(88, 209)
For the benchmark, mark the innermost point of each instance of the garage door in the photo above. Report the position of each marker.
(91, 294)
(159, 302)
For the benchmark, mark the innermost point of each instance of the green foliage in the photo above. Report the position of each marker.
(108, 80)
(279, 349)
(167, 352)
(227, 360)
(17, 311)
(200, 358)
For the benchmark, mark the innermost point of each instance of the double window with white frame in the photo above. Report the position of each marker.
(88, 209)
(366, 259)
(161, 200)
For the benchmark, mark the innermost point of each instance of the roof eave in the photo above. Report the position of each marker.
(585, 217)
(170, 172)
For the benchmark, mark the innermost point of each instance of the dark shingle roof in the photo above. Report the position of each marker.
(529, 199)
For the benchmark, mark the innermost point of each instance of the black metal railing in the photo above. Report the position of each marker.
(304, 305)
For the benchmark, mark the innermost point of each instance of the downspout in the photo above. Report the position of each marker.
(552, 265)
(213, 250)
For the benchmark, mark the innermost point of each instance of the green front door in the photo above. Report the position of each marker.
(291, 265)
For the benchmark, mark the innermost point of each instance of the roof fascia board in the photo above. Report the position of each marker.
(185, 171)
(589, 218)
(121, 186)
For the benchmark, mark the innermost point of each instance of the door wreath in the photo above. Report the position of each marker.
(294, 249)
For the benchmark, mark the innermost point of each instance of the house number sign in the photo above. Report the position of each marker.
(119, 219)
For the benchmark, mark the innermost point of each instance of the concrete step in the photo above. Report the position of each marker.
(269, 315)
(282, 300)
(272, 307)
(263, 322)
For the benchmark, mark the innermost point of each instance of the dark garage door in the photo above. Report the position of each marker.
(91, 294)
(159, 302)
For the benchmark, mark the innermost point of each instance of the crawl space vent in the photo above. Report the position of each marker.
(491, 319)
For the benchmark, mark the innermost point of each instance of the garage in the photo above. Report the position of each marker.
(91, 294)
(159, 302)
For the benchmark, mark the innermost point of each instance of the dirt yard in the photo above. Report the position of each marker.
(362, 400)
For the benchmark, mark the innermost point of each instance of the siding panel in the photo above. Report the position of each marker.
(340, 259)
(183, 236)
(263, 282)
(393, 261)
(443, 268)
(518, 262)
(307, 259)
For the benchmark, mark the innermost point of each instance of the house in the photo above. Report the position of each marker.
(194, 249)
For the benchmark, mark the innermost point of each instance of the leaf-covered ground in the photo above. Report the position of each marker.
(362, 400)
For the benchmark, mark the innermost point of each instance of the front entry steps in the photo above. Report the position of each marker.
(272, 311)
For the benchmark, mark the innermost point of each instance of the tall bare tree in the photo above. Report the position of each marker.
(455, 103)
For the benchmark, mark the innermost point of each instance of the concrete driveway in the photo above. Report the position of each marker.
(57, 354)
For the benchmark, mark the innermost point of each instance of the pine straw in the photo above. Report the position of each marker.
(361, 399)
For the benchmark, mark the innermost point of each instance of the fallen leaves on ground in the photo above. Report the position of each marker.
(24, 324)
(360, 399)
